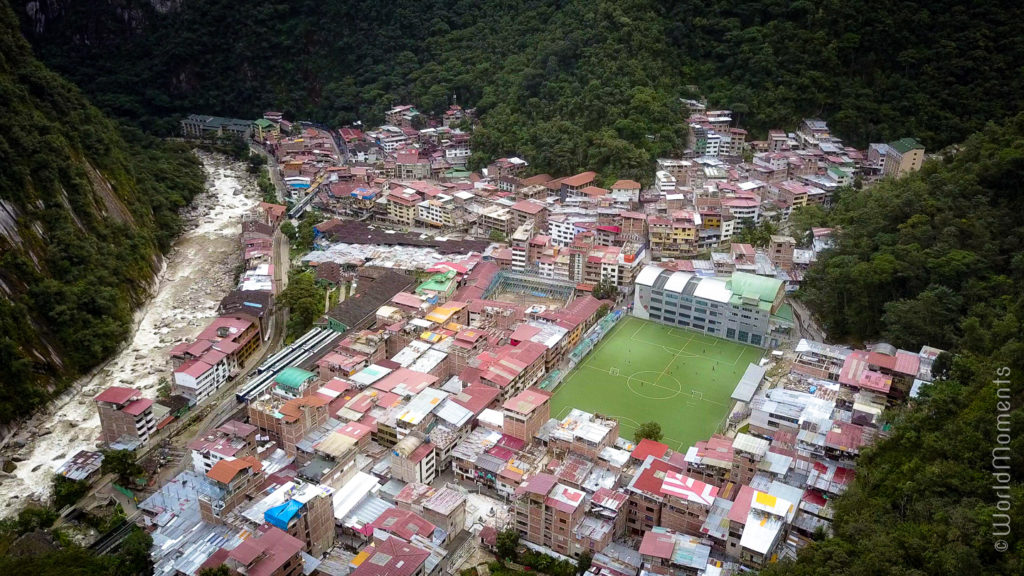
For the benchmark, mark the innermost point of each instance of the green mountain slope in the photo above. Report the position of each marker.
(85, 209)
(935, 258)
(570, 84)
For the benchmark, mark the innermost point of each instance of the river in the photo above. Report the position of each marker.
(197, 273)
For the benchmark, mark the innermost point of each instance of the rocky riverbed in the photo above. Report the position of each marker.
(197, 273)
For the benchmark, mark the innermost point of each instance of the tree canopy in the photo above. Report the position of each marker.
(87, 207)
(569, 85)
(934, 258)
(648, 430)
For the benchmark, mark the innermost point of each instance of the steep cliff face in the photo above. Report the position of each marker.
(85, 209)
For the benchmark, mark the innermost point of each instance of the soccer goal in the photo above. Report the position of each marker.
(697, 394)
(613, 371)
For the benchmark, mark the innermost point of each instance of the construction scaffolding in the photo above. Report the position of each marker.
(507, 282)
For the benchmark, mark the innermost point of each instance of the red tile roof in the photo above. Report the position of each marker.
(540, 484)
(845, 437)
(476, 397)
(648, 447)
(194, 368)
(224, 471)
(413, 381)
(526, 401)
(267, 553)
(528, 206)
(580, 179)
(881, 360)
(907, 363)
(117, 395)
(651, 475)
(741, 506)
(403, 523)
(138, 407)
(421, 452)
(814, 497)
(658, 545)
(391, 557)
(626, 185)
(609, 498)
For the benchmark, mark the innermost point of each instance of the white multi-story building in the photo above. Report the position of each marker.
(665, 183)
(739, 308)
(743, 210)
(457, 154)
(197, 378)
(563, 228)
(437, 211)
(390, 138)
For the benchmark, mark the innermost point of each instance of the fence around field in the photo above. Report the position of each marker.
(593, 336)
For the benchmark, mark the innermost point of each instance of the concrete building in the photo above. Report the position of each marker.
(584, 434)
(308, 515)
(288, 420)
(438, 211)
(231, 483)
(547, 512)
(687, 502)
(902, 157)
(740, 308)
(525, 413)
(271, 553)
(391, 557)
(199, 126)
(232, 440)
(199, 377)
(126, 418)
(513, 369)
(443, 507)
(780, 251)
(403, 207)
(414, 459)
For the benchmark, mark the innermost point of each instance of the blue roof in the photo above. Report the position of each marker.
(281, 515)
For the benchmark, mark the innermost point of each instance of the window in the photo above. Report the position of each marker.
(730, 333)
(755, 339)
(742, 336)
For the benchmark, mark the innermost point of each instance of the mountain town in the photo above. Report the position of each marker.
(366, 325)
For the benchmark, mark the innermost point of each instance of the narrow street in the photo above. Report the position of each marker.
(806, 325)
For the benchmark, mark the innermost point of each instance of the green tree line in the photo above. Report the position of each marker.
(87, 207)
(568, 84)
(934, 258)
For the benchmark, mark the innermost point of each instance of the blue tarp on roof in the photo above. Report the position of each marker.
(281, 515)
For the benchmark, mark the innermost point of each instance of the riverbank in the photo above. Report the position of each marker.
(197, 272)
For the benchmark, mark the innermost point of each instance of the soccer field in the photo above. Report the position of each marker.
(643, 371)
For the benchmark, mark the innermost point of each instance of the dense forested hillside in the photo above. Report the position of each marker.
(85, 209)
(932, 259)
(935, 258)
(569, 84)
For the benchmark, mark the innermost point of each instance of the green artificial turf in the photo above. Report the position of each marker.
(644, 371)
